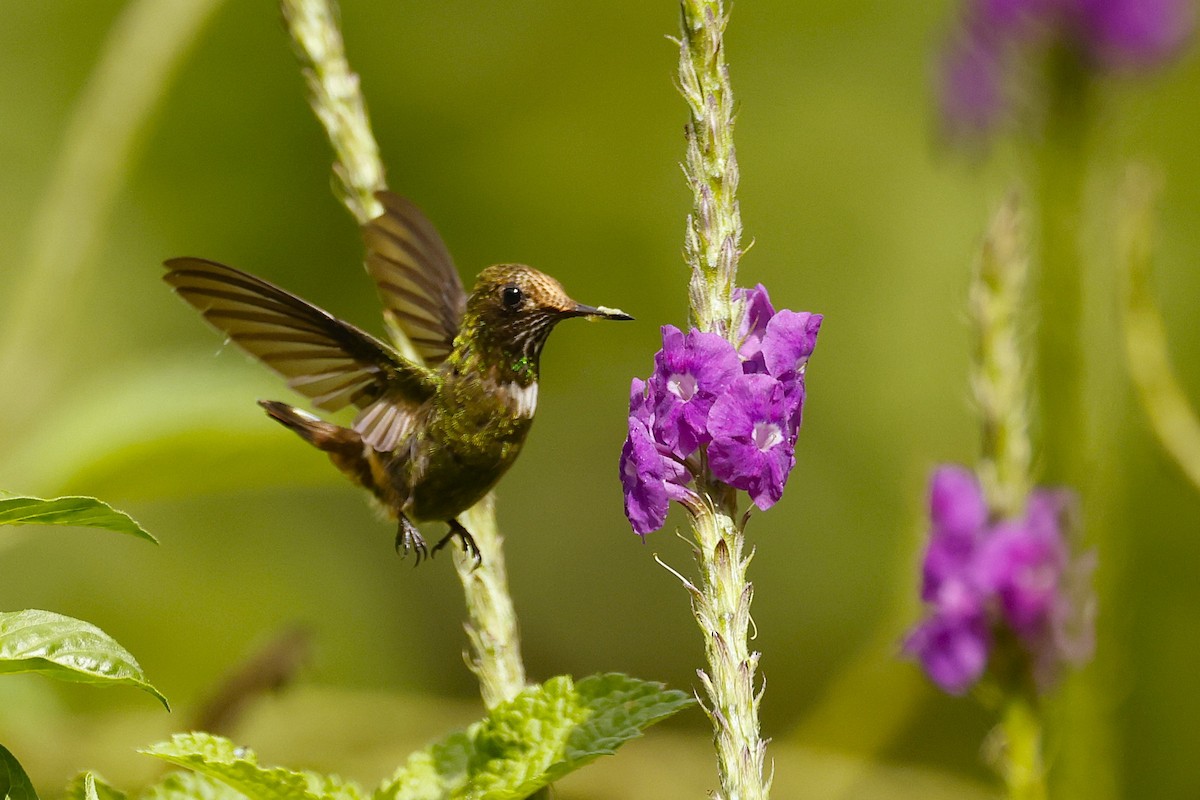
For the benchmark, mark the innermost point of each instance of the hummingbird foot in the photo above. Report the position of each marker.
(409, 538)
(464, 536)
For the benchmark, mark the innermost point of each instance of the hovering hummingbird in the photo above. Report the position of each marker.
(430, 439)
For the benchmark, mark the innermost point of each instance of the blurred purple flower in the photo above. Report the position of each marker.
(958, 517)
(952, 649)
(689, 372)
(752, 446)
(972, 91)
(1022, 562)
(1016, 574)
(1135, 34)
(998, 37)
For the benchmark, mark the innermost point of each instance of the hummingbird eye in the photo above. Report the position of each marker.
(511, 296)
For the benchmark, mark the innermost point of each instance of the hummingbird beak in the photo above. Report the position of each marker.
(597, 312)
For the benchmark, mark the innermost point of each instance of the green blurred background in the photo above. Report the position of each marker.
(550, 133)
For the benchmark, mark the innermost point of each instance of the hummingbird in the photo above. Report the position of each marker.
(431, 438)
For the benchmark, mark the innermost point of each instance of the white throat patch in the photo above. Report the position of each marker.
(522, 399)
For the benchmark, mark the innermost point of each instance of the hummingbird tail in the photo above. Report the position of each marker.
(344, 446)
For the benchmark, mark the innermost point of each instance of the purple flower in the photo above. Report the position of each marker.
(1134, 34)
(789, 339)
(972, 91)
(752, 444)
(1040, 593)
(736, 410)
(997, 37)
(690, 371)
(757, 312)
(952, 649)
(649, 479)
(1022, 563)
(958, 518)
(641, 403)
(1016, 574)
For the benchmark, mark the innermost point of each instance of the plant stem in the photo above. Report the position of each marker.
(1089, 760)
(714, 227)
(491, 621)
(1024, 774)
(40, 311)
(337, 101)
(721, 605)
(1167, 407)
(1061, 169)
(998, 379)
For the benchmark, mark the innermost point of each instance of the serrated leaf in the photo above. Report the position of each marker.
(81, 512)
(620, 708)
(181, 785)
(238, 767)
(67, 649)
(14, 783)
(541, 735)
(86, 786)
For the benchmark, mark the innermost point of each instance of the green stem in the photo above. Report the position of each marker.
(1024, 773)
(337, 101)
(1061, 169)
(998, 375)
(41, 311)
(712, 248)
(1088, 760)
(721, 605)
(712, 244)
(1168, 409)
(491, 620)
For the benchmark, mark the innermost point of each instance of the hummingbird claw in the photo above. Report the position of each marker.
(464, 536)
(409, 538)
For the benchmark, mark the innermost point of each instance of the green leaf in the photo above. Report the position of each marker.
(14, 783)
(541, 735)
(190, 786)
(86, 786)
(67, 649)
(239, 769)
(621, 708)
(521, 746)
(83, 512)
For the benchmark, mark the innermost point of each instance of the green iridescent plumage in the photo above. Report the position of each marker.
(431, 439)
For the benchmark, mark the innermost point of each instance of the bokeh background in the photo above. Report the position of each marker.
(548, 133)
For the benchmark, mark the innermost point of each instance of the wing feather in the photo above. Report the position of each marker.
(330, 361)
(421, 290)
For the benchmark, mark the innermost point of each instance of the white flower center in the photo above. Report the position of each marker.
(682, 386)
(767, 435)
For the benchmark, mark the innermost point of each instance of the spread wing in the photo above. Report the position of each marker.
(420, 287)
(330, 361)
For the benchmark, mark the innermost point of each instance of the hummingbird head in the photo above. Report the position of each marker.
(514, 307)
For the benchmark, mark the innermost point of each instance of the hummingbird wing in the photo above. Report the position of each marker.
(328, 360)
(422, 294)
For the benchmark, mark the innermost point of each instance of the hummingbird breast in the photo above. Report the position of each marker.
(473, 434)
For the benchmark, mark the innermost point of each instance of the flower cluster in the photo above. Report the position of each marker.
(989, 581)
(1103, 35)
(711, 408)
